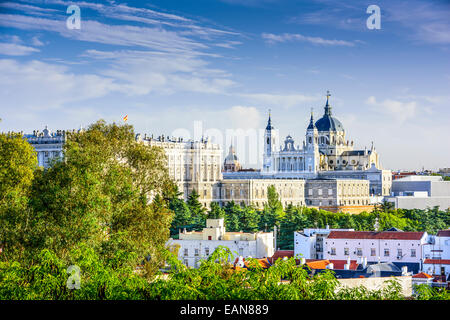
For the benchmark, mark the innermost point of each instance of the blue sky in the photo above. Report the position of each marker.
(170, 63)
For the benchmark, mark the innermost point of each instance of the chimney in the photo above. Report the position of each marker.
(302, 261)
(404, 270)
(330, 266)
(364, 262)
(346, 266)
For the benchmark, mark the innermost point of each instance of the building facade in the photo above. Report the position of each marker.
(193, 165)
(309, 243)
(398, 247)
(48, 145)
(325, 148)
(194, 246)
(420, 192)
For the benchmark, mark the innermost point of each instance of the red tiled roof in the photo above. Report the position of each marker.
(436, 261)
(318, 264)
(280, 254)
(262, 262)
(422, 275)
(388, 235)
(443, 233)
(339, 264)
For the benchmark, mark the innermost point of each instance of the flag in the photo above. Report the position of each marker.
(125, 118)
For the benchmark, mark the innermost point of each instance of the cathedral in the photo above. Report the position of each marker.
(325, 148)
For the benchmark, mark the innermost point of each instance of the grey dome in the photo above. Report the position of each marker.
(327, 122)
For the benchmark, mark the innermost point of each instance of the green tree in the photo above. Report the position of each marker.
(216, 212)
(198, 211)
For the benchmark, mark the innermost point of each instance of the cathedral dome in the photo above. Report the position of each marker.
(327, 122)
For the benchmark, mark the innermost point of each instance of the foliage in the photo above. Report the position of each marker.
(215, 279)
(100, 195)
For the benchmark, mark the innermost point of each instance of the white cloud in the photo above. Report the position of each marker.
(36, 85)
(14, 49)
(243, 117)
(289, 37)
(401, 111)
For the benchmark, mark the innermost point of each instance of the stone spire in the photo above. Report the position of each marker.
(269, 123)
(311, 121)
(327, 105)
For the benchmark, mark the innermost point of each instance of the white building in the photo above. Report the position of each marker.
(308, 243)
(398, 247)
(437, 254)
(193, 246)
(420, 192)
(325, 153)
(48, 145)
(193, 165)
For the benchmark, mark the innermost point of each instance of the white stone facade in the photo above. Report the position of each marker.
(194, 246)
(385, 246)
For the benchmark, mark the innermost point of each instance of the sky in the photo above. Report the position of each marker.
(214, 67)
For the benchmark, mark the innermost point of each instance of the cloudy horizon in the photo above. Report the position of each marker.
(168, 65)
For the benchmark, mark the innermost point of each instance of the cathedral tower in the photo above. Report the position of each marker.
(269, 145)
(312, 157)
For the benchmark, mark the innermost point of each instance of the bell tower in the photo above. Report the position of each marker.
(269, 145)
(312, 147)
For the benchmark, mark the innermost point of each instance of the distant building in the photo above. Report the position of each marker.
(444, 172)
(231, 162)
(193, 165)
(309, 243)
(193, 246)
(438, 246)
(48, 145)
(420, 192)
(398, 247)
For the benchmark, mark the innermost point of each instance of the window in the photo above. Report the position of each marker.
(399, 253)
(359, 251)
(186, 252)
(386, 252)
(207, 251)
(186, 263)
(333, 251)
(373, 252)
(345, 251)
(196, 253)
(413, 252)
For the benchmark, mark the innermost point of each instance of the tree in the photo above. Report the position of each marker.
(104, 194)
(249, 219)
(232, 216)
(198, 211)
(18, 162)
(216, 212)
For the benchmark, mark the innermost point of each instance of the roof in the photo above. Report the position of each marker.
(436, 261)
(265, 263)
(327, 122)
(387, 235)
(422, 275)
(339, 264)
(443, 233)
(386, 266)
(280, 254)
(317, 264)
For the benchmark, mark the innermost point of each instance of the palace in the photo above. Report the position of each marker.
(326, 172)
